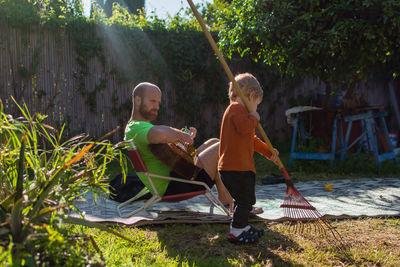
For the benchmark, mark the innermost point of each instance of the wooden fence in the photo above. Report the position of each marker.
(40, 68)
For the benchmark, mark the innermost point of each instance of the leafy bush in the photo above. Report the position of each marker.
(25, 13)
(40, 176)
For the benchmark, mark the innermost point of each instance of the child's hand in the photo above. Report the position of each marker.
(254, 100)
(275, 156)
(255, 114)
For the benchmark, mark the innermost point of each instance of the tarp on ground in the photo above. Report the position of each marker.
(348, 198)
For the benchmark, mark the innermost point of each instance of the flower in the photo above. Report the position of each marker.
(328, 187)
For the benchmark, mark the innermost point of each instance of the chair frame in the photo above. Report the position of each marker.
(140, 167)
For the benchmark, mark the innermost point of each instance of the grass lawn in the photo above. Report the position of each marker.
(370, 241)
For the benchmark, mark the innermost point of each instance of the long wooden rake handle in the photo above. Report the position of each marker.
(293, 208)
(236, 85)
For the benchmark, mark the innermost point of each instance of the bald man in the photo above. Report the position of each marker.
(146, 99)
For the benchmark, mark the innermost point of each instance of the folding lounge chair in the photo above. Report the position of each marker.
(140, 167)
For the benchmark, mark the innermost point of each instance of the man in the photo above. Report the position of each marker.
(146, 99)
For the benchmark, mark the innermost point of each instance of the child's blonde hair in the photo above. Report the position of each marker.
(248, 84)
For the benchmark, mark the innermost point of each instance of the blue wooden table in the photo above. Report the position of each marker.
(300, 134)
(373, 130)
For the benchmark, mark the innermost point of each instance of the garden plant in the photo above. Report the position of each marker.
(41, 174)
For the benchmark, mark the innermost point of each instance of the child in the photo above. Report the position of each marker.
(236, 164)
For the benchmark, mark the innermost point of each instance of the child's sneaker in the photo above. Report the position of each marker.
(255, 231)
(244, 238)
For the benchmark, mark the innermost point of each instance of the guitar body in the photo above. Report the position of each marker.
(177, 158)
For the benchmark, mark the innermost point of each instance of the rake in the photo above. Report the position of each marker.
(301, 214)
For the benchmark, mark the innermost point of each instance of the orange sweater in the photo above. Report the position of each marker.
(238, 140)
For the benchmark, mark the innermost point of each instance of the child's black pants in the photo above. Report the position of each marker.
(240, 185)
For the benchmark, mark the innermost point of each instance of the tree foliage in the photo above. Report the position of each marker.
(132, 6)
(26, 13)
(337, 41)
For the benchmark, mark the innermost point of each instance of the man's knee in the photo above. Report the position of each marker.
(211, 141)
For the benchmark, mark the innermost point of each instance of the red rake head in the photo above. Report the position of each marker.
(303, 216)
(296, 207)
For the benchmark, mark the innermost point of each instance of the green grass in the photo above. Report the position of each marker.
(370, 241)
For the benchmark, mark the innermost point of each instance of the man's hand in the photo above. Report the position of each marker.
(227, 199)
(185, 138)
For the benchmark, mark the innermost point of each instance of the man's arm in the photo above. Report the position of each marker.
(160, 134)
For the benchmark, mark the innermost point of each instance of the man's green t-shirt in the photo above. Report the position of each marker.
(137, 131)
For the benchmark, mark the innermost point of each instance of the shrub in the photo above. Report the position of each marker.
(40, 176)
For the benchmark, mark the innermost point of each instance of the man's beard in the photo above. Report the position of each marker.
(148, 114)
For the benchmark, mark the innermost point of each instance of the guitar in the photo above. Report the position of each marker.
(177, 157)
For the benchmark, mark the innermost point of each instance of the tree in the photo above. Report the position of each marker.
(131, 5)
(26, 13)
(337, 41)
